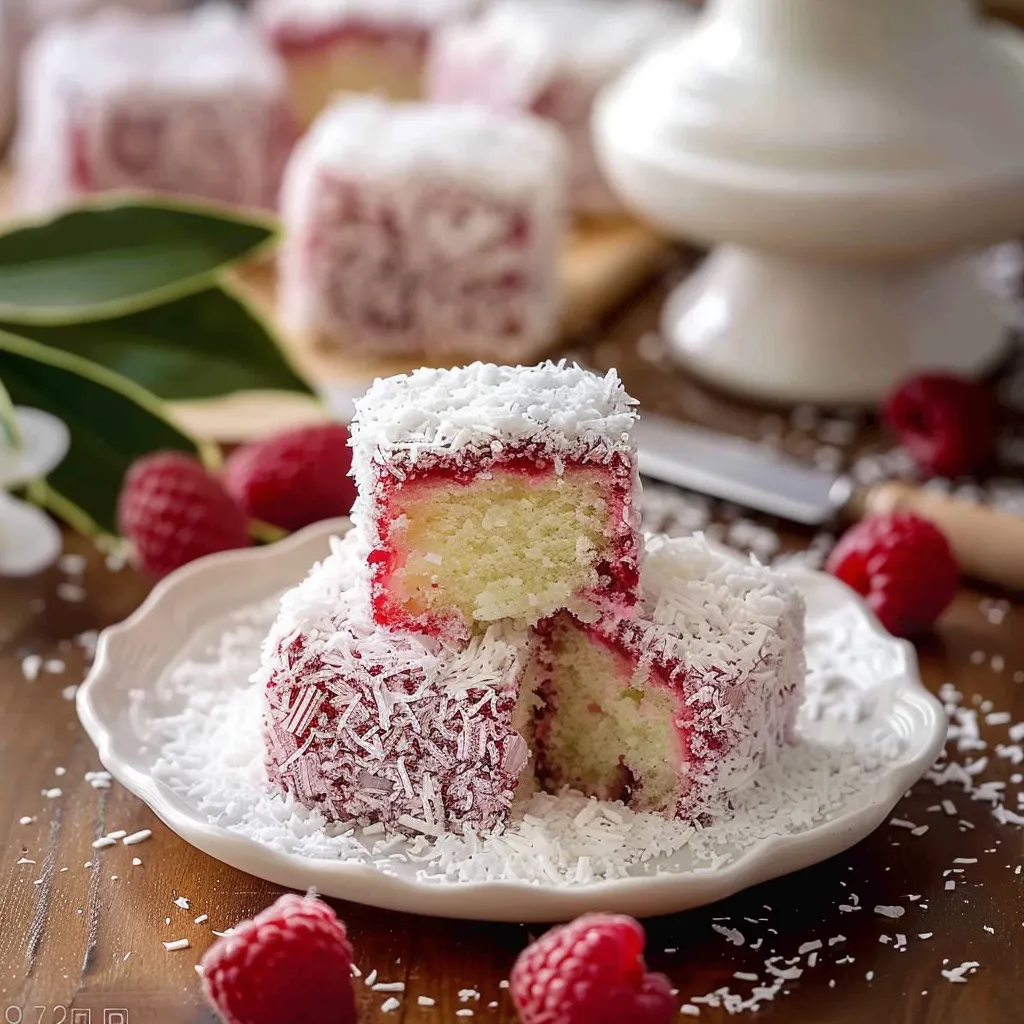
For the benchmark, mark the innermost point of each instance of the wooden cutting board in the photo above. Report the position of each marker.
(602, 265)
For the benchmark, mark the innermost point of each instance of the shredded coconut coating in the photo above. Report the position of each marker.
(376, 726)
(471, 420)
(596, 38)
(192, 102)
(728, 637)
(551, 57)
(454, 417)
(312, 16)
(368, 138)
(422, 228)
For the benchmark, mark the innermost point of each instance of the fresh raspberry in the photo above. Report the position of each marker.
(904, 567)
(173, 511)
(289, 965)
(591, 971)
(295, 478)
(948, 424)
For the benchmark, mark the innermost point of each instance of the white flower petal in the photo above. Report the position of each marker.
(44, 442)
(30, 541)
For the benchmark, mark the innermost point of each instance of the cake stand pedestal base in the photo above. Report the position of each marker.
(786, 330)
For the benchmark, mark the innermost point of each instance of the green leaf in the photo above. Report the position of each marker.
(204, 345)
(112, 423)
(112, 258)
(9, 434)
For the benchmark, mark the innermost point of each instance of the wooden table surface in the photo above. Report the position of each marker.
(91, 937)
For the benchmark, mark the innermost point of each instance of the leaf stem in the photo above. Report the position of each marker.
(266, 533)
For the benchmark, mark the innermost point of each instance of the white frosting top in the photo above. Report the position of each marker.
(310, 16)
(529, 41)
(211, 48)
(365, 136)
(484, 407)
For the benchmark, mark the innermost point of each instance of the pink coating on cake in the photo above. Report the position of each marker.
(376, 726)
(551, 58)
(189, 104)
(724, 641)
(478, 422)
(617, 570)
(421, 229)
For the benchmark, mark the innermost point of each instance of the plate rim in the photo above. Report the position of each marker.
(768, 858)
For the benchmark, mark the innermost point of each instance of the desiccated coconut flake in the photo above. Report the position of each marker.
(425, 1001)
(389, 986)
(103, 842)
(182, 901)
(177, 944)
(957, 974)
(884, 911)
(202, 918)
(390, 1005)
(137, 837)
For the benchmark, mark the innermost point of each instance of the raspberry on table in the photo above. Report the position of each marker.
(294, 479)
(945, 422)
(292, 964)
(173, 511)
(902, 565)
(590, 971)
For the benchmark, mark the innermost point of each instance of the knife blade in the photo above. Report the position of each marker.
(738, 471)
(988, 543)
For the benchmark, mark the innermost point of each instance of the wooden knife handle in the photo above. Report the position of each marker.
(989, 544)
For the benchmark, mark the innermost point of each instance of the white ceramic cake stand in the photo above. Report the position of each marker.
(844, 156)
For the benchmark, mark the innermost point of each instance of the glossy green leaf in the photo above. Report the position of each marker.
(114, 258)
(203, 345)
(112, 422)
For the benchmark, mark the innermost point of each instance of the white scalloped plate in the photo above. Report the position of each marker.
(186, 611)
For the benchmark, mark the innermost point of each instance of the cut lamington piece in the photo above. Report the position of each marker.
(414, 228)
(493, 492)
(551, 57)
(192, 104)
(674, 709)
(332, 46)
(380, 726)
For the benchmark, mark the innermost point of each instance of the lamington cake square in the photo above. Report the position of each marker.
(414, 228)
(192, 104)
(551, 57)
(372, 725)
(493, 493)
(677, 707)
(332, 46)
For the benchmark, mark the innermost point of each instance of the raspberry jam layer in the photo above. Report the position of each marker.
(518, 536)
